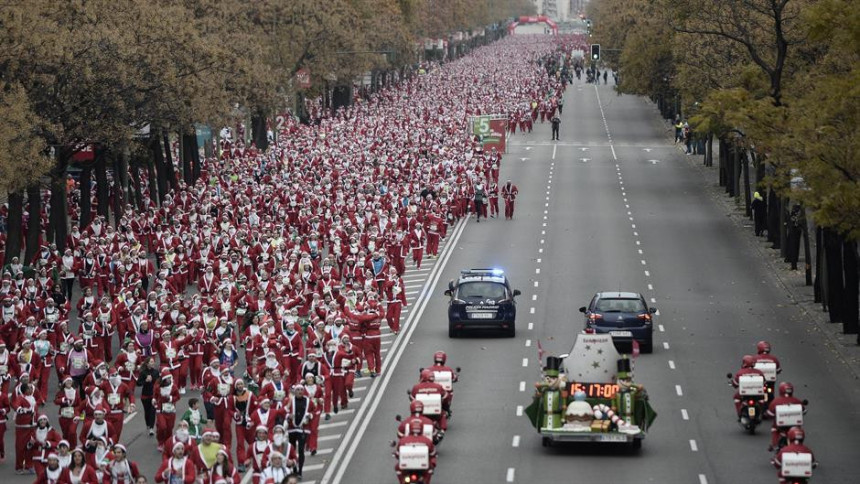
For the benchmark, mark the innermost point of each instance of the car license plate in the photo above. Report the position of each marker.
(482, 315)
(751, 411)
(622, 334)
(613, 438)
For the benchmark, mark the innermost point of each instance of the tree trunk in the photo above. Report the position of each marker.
(722, 162)
(151, 181)
(34, 224)
(103, 188)
(14, 224)
(59, 217)
(258, 129)
(187, 160)
(158, 165)
(820, 274)
(783, 227)
(169, 167)
(135, 180)
(85, 216)
(773, 218)
(195, 157)
(747, 194)
(709, 150)
(835, 286)
(852, 286)
(120, 180)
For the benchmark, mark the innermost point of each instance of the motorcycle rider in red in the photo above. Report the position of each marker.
(439, 360)
(786, 397)
(415, 437)
(796, 435)
(416, 410)
(747, 364)
(428, 387)
(763, 350)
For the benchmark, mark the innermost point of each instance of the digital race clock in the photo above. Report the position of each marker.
(595, 390)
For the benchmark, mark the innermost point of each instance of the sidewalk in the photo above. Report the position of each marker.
(843, 347)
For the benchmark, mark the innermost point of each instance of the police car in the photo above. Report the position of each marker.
(481, 299)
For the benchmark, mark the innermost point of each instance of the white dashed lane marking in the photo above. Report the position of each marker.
(522, 386)
(693, 446)
(510, 476)
(684, 414)
(528, 343)
(671, 364)
(519, 410)
(703, 479)
(531, 326)
(665, 345)
(679, 391)
(525, 362)
(661, 328)
(515, 442)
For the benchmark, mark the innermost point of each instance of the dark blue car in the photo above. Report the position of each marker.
(624, 315)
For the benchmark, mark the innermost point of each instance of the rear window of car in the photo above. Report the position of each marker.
(620, 305)
(481, 290)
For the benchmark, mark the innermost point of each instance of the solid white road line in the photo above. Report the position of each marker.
(128, 417)
(341, 458)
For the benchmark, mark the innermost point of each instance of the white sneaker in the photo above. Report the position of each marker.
(182, 391)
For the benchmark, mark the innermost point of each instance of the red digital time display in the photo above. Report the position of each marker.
(595, 390)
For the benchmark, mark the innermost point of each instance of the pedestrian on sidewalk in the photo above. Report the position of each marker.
(556, 122)
(759, 209)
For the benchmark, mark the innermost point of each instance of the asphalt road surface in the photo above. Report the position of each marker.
(612, 205)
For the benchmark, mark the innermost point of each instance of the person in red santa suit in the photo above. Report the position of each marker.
(372, 343)
(127, 363)
(417, 242)
(426, 386)
(79, 471)
(395, 298)
(314, 389)
(416, 436)
(195, 348)
(219, 393)
(509, 194)
(172, 353)
(182, 434)
(223, 471)
(301, 411)
(24, 405)
(119, 469)
(493, 195)
(68, 400)
(96, 431)
(52, 472)
(6, 367)
(275, 390)
(166, 395)
(46, 352)
(43, 442)
(118, 395)
(28, 362)
(266, 416)
(293, 350)
(347, 358)
(5, 406)
(178, 469)
(433, 225)
(245, 402)
(91, 332)
(261, 448)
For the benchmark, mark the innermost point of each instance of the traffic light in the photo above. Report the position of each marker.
(595, 52)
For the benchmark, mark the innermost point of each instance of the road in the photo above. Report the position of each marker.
(613, 205)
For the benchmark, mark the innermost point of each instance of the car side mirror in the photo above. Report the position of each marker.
(729, 376)
(420, 370)
(582, 309)
(652, 310)
(450, 285)
(458, 369)
(398, 418)
(564, 355)
(447, 292)
(517, 292)
(805, 402)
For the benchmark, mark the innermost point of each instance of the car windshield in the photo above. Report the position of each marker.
(619, 305)
(482, 290)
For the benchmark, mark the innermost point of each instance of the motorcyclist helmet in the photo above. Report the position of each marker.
(427, 376)
(415, 428)
(440, 357)
(748, 361)
(416, 407)
(763, 347)
(796, 435)
(786, 389)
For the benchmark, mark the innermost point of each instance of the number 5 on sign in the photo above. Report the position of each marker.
(481, 125)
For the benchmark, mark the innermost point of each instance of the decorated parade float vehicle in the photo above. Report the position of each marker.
(588, 395)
